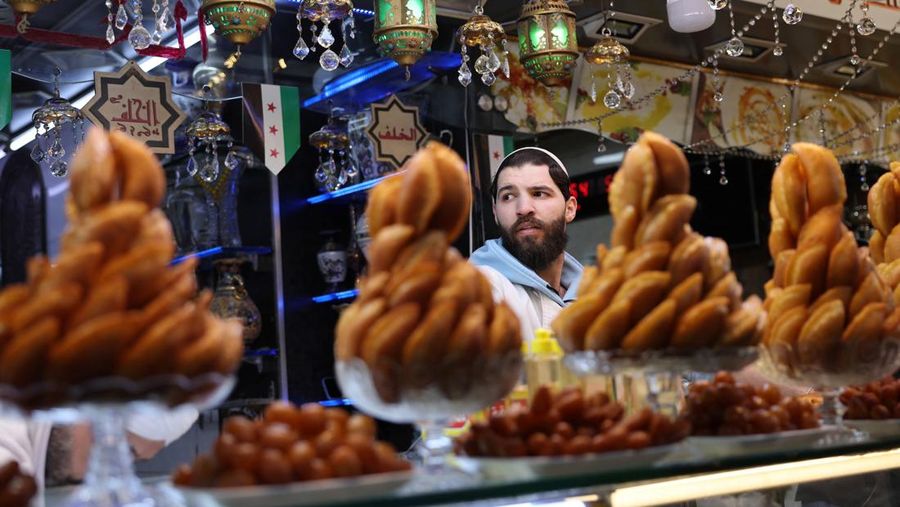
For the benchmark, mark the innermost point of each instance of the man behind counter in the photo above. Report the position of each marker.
(528, 266)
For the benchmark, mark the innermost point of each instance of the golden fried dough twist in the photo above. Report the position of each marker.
(112, 303)
(660, 284)
(827, 305)
(424, 316)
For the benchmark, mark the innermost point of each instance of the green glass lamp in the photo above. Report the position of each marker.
(405, 29)
(548, 46)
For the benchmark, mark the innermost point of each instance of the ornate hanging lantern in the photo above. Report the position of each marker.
(335, 168)
(482, 31)
(548, 46)
(326, 11)
(58, 124)
(26, 8)
(610, 53)
(404, 29)
(239, 21)
(205, 134)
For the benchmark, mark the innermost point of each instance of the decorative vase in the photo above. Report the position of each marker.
(231, 299)
(332, 260)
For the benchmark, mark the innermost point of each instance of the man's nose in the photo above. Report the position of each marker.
(525, 206)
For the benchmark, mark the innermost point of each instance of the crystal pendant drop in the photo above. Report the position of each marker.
(121, 17)
(191, 166)
(481, 64)
(465, 75)
(723, 180)
(346, 56)
(351, 170)
(504, 64)
(56, 149)
(321, 175)
(301, 49)
(342, 178)
(329, 60)
(156, 38)
(493, 63)
(209, 172)
(231, 161)
(777, 51)
(718, 96)
(110, 34)
(593, 90)
(792, 14)
(612, 100)
(139, 37)
(325, 38)
(717, 4)
(59, 169)
(347, 26)
(854, 60)
(864, 187)
(601, 146)
(488, 78)
(37, 154)
(866, 26)
(626, 88)
(735, 47)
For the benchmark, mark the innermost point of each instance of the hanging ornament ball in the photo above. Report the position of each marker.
(239, 21)
(792, 14)
(735, 47)
(854, 60)
(612, 100)
(28, 6)
(777, 51)
(488, 78)
(329, 60)
(717, 4)
(866, 26)
(607, 50)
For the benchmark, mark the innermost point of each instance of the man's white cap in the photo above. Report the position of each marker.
(545, 152)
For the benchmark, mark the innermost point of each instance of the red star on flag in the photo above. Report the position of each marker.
(271, 107)
(497, 155)
(273, 130)
(273, 153)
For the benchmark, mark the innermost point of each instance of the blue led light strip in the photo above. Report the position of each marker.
(336, 296)
(340, 402)
(216, 250)
(359, 187)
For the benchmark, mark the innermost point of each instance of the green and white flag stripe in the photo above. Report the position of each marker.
(498, 148)
(5, 88)
(281, 124)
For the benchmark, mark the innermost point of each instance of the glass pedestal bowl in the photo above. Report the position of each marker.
(828, 372)
(661, 369)
(430, 398)
(106, 404)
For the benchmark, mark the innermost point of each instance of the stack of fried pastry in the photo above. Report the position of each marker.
(884, 212)
(111, 304)
(424, 315)
(661, 284)
(827, 306)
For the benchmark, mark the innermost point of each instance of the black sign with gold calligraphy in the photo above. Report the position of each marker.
(137, 104)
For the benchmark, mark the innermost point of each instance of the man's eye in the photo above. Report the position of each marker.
(507, 197)
(539, 193)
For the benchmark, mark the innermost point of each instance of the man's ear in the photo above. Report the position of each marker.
(494, 210)
(571, 208)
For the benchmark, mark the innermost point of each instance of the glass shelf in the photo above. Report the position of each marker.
(345, 192)
(217, 252)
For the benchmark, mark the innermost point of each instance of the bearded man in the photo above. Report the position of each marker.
(528, 266)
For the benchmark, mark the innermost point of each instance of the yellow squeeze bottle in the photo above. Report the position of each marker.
(543, 365)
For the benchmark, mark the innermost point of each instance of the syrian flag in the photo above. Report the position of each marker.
(498, 148)
(272, 123)
(5, 88)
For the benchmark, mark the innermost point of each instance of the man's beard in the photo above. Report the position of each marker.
(535, 253)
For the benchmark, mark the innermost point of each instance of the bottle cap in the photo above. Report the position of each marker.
(544, 344)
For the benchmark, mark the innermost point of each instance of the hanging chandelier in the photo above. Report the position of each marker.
(205, 134)
(58, 124)
(548, 46)
(608, 53)
(326, 11)
(404, 29)
(139, 37)
(25, 9)
(239, 21)
(483, 32)
(335, 168)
